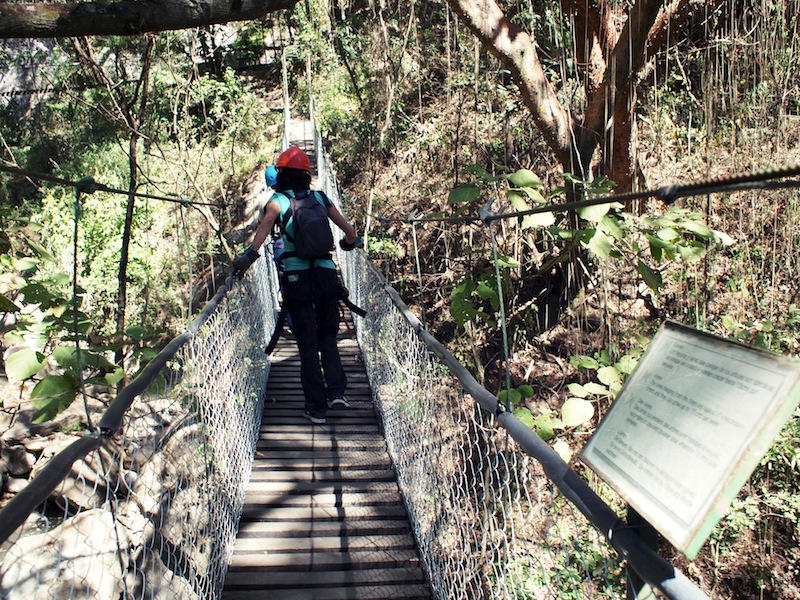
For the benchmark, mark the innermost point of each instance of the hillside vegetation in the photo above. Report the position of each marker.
(422, 120)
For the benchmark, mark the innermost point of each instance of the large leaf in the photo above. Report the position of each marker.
(576, 411)
(24, 363)
(524, 415)
(651, 278)
(463, 194)
(692, 252)
(51, 396)
(608, 375)
(525, 178)
(594, 214)
(600, 245)
(66, 356)
(699, 229)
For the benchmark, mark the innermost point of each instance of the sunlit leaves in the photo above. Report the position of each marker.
(24, 364)
(53, 395)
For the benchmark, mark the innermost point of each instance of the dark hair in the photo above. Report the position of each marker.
(292, 179)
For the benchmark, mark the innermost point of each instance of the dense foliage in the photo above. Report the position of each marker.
(423, 121)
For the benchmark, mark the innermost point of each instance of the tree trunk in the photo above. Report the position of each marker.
(128, 17)
(134, 122)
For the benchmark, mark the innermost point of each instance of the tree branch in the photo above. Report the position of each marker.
(128, 17)
(516, 51)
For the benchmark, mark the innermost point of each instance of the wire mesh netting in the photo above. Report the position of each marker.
(153, 512)
(488, 522)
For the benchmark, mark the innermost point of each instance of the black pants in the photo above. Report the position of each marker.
(312, 297)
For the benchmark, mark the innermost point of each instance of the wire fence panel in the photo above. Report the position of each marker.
(153, 512)
(488, 521)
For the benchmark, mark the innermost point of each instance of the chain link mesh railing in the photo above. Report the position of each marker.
(152, 510)
(490, 520)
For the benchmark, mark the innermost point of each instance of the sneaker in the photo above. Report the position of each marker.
(338, 403)
(313, 419)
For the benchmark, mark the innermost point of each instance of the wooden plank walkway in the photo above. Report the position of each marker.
(323, 517)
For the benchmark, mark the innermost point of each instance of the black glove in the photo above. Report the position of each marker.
(358, 243)
(242, 262)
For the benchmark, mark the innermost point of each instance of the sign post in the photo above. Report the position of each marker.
(689, 427)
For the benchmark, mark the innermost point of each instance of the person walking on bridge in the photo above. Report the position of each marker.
(310, 285)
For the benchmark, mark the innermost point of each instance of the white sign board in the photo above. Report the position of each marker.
(689, 427)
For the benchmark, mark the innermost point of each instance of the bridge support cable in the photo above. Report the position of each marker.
(148, 505)
(493, 516)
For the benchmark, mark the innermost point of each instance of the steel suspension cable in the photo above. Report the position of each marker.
(89, 185)
(668, 193)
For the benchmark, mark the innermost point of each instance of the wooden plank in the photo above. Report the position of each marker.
(318, 578)
(318, 488)
(333, 475)
(323, 516)
(321, 499)
(406, 592)
(246, 545)
(324, 528)
(351, 559)
(255, 512)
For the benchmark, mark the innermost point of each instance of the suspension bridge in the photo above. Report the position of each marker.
(202, 480)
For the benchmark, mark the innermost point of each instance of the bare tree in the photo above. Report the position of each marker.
(128, 17)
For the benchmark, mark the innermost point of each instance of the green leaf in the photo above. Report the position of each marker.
(7, 306)
(51, 396)
(699, 229)
(478, 171)
(584, 362)
(562, 448)
(544, 427)
(600, 245)
(524, 415)
(66, 356)
(611, 226)
(40, 251)
(608, 375)
(626, 364)
(114, 376)
(463, 194)
(525, 178)
(657, 242)
(515, 397)
(576, 389)
(668, 234)
(517, 201)
(651, 278)
(506, 262)
(594, 214)
(525, 390)
(728, 323)
(26, 263)
(137, 332)
(576, 411)
(24, 363)
(543, 219)
(692, 251)
(596, 389)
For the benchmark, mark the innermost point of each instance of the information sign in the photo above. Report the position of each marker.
(689, 427)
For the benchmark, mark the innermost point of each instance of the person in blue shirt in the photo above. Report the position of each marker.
(310, 288)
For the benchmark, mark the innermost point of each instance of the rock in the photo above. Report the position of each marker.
(15, 485)
(17, 461)
(77, 558)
